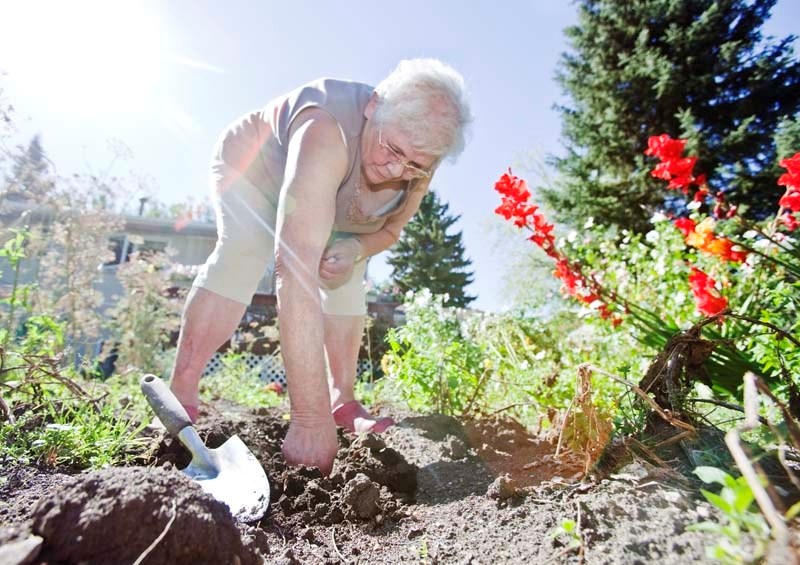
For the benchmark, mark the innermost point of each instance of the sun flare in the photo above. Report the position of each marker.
(83, 56)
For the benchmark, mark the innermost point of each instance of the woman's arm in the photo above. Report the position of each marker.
(316, 163)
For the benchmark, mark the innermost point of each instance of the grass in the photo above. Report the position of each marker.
(90, 431)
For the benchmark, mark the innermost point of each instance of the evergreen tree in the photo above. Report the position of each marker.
(30, 175)
(697, 69)
(428, 257)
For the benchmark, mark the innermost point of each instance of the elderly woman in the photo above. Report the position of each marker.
(320, 179)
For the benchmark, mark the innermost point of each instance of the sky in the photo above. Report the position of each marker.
(164, 78)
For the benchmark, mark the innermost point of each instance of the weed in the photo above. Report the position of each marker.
(567, 532)
(739, 520)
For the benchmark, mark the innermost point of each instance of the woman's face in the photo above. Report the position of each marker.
(387, 154)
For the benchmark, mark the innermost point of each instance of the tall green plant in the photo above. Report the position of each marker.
(13, 252)
(146, 316)
(436, 367)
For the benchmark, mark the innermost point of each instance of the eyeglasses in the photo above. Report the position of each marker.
(417, 172)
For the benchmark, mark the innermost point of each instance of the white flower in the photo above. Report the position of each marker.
(762, 244)
(571, 236)
(589, 223)
(652, 236)
(658, 217)
(750, 234)
(660, 266)
(694, 205)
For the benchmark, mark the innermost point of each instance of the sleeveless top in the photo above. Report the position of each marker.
(256, 145)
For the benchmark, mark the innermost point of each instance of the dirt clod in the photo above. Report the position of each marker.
(503, 488)
(362, 497)
(455, 448)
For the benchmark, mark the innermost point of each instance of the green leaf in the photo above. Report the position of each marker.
(743, 498)
(718, 501)
(712, 475)
(793, 511)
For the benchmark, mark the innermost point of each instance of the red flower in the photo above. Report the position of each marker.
(686, 225)
(790, 180)
(673, 168)
(664, 147)
(790, 221)
(514, 206)
(512, 187)
(791, 164)
(701, 194)
(709, 301)
(791, 200)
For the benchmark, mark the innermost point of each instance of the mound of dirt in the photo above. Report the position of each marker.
(116, 515)
(370, 482)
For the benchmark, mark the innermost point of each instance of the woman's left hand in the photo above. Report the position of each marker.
(336, 266)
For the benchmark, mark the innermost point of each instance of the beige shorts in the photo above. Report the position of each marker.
(246, 219)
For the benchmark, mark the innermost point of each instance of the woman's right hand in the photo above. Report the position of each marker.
(313, 445)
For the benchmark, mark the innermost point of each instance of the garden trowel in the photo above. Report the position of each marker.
(229, 473)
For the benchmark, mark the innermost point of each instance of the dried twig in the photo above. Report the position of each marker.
(7, 413)
(333, 539)
(773, 327)
(510, 406)
(778, 525)
(644, 396)
(579, 533)
(160, 536)
(727, 405)
(478, 388)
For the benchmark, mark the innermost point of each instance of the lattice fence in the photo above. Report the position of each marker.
(270, 366)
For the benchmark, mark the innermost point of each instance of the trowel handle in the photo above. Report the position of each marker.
(165, 405)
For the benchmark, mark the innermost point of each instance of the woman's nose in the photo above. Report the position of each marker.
(396, 169)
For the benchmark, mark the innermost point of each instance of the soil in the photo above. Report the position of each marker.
(431, 489)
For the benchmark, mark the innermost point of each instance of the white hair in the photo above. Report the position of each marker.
(425, 99)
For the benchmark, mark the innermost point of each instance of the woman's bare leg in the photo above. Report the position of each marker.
(209, 320)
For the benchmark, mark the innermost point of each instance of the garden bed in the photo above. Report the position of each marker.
(431, 489)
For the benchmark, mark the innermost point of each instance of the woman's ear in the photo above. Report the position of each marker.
(371, 106)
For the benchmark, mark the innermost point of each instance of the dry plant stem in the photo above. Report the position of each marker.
(333, 539)
(582, 547)
(8, 415)
(510, 406)
(675, 439)
(478, 388)
(791, 425)
(649, 452)
(728, 405)
(656, 408)
(160, 536)
(773, 327)
(779, 530)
